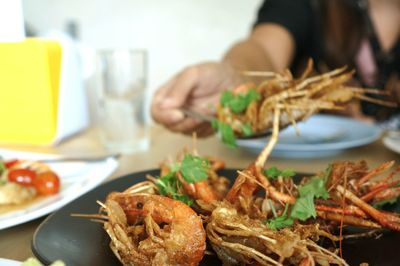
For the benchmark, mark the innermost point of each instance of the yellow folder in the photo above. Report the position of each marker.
(29, 91)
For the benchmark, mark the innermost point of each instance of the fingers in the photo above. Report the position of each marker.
(197, 87)
(187, 125)
(158, 113)
(179, 92)
(167, 117)
(173, 95)
(202, 130)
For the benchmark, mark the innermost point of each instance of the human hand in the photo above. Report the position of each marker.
(197, 87)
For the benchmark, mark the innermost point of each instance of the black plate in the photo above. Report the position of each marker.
(79, 241)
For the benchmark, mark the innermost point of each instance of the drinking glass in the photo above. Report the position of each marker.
(122, 116)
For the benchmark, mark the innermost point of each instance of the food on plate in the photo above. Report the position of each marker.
(152, 223)
(248, 109)
(264, 217)
(192, 178)
(12, 193)
(149, 229)
(239, 240)
(23, 180)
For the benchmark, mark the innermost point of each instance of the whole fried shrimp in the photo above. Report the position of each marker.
(149, 229)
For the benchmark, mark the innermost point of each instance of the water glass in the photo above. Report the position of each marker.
(122, 116)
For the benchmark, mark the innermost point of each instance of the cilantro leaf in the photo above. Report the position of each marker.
(226, 97)
(174, 167)
(169, 185)
(215, 124)
(287, 173)
(227, 135)
(194, 168)
(304, 208)
(315, 187)
(183, 198)
(280, 221)
(247, 130)
(273, 172)
(238, 103)
(252, 95)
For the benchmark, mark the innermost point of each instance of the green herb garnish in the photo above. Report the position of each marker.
(215, 124)
(227, 135)
(314, 187)
(169, 185)
(238, 103)
(194, 168)
(304, 207)
(226, 98)
(174, 167)
(247, 130)
(280, 222)
(273, 172)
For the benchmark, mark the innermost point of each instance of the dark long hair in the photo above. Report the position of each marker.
(343, 27)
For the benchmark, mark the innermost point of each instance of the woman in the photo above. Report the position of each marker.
(363, 34)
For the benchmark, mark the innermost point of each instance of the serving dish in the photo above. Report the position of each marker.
(80, 241)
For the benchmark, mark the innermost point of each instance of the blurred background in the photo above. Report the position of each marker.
(175, 33)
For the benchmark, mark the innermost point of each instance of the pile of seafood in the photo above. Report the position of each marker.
(246, 111)
(264, 217)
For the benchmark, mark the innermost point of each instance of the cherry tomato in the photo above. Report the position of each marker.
(47, 183)
(10, 163)
(24, 177)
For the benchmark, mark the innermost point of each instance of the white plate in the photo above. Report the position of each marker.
(320, 135)
(76, 178)
(392, 141)
(7, 262)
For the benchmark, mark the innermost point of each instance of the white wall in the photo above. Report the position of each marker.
(175, 32)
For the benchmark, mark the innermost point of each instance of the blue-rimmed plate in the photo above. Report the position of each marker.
(320, 135)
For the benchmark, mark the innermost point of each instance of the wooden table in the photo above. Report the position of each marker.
(15, 242)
